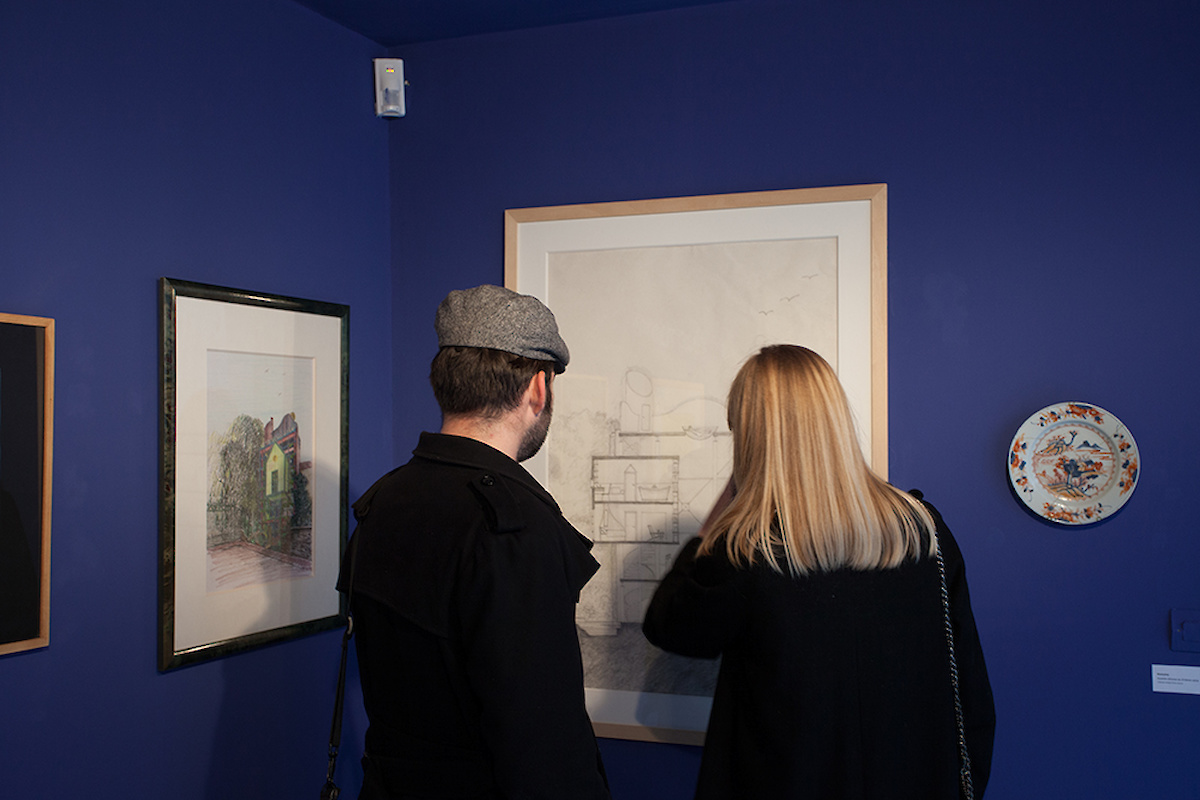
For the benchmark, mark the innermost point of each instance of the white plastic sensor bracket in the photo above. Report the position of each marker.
(389, 87)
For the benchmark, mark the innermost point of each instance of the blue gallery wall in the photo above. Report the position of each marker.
(1041, 162)
(230, 142)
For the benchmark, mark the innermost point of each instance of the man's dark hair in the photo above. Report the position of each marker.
(481, 381)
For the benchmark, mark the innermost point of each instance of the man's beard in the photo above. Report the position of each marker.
(535, 435)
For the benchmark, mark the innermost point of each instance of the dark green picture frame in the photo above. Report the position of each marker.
(241, 568)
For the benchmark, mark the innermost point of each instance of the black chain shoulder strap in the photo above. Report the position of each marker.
(966, 786)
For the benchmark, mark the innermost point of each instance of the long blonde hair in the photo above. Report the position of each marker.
(803, 488)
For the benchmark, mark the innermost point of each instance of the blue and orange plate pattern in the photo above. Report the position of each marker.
(1073, 463)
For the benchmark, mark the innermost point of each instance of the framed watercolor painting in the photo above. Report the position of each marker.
(26, 461)
(660, 301)
(254, 418)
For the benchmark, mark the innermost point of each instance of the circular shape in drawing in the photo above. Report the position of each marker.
(1073, 463)
(638, 382)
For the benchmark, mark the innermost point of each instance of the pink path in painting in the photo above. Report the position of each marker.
(232, 566)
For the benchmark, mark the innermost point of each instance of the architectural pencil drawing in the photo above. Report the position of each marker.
(640, 447)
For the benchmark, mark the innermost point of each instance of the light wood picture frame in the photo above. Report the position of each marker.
(660, 301)
(26, 472)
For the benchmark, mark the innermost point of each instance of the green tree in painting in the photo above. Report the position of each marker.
(236, 501)
(301, 502)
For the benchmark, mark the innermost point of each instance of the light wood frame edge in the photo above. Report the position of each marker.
(47, 325)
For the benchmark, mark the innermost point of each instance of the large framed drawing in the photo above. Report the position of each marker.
(26, 460)
(660, 301)
(254, 414)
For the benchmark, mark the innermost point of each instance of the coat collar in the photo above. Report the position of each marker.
(466, 452)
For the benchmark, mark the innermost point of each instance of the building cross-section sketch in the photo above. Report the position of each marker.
(640, 448)
(654, 468)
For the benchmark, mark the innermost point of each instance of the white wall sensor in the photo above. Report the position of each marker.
(389, 87)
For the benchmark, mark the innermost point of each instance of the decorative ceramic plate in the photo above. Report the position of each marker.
(1073, 463)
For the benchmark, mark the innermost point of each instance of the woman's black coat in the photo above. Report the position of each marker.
(832, 685)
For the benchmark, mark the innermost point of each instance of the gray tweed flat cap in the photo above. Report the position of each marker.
(500, 319)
